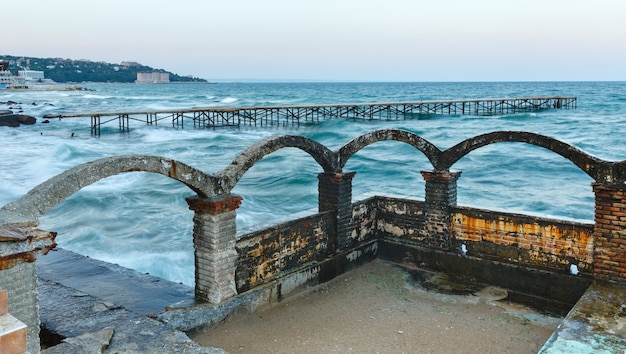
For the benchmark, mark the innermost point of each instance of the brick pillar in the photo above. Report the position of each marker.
(335, 194)
(19, 249)
(609, 258)
(214, 237)
(440, 196)
(12, 330)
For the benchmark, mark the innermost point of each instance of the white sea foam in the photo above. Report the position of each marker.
(143, 218)
(90, 96)
(228, 100)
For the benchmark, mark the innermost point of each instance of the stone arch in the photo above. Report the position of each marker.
(600, 170)
(48, 194)
(244, 161)
(348, 150)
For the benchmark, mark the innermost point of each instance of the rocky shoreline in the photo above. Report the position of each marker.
(14, 117)
(8, 118)
(48, 88)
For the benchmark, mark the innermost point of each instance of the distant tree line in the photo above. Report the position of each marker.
(76, 71)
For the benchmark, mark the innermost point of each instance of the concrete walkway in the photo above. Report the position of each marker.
(97, 307)
(112, 283)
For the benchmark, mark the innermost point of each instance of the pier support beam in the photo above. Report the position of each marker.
(214, 237)
(440, 196)
(609, 259)
(335, 194)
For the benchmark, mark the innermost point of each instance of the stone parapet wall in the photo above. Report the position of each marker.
(364, 219)
(399, 218)
(263, 255)
(527, 240)
(533, 241)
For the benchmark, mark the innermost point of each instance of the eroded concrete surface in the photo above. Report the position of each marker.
(91, 306)
(596, 324)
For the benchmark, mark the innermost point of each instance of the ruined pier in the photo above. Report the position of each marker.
(283, 116)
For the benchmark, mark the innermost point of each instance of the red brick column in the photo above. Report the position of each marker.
(335, 194)
(12, 330)
(214, 238)
(440, 196)
(609, 258)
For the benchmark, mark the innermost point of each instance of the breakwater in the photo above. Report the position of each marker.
(282, 116)
(544, 258)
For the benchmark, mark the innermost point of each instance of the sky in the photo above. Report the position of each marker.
(332, 40)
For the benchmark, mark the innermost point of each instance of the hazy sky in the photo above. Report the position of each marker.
(366, 40)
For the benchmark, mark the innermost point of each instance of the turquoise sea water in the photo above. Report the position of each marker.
(142, 221)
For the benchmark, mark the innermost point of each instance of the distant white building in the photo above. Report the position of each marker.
(153, 78)
(31, 75)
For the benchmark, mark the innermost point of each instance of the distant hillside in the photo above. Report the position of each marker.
(75, 71)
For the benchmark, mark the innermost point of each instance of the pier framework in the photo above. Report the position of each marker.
(282, 116)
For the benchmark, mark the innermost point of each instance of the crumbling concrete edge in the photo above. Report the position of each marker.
(84, 323)
(596, 324)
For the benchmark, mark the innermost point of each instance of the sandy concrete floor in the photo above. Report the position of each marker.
(379, 308)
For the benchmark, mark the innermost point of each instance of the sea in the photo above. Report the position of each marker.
(142, 221)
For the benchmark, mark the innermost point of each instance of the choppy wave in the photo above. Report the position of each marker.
(141, 220)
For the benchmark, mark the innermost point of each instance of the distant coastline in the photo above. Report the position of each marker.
(66, 71)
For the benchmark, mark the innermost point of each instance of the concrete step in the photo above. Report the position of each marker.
(12, 331)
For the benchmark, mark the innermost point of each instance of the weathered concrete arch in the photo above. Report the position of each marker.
(599, 170)
(348, 150)
(45, 196)
(244, 161)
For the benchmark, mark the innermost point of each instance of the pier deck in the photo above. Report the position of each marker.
(272, 116)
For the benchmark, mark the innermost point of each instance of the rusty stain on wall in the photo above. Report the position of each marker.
(522, 238)
(23, 244)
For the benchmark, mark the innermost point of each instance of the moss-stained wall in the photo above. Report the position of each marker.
(264, 254)
(399, 218)
(364, 216)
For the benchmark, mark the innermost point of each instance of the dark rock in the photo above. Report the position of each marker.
(27, 120)
(9, 120)
(5, 112)
(14, 120)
